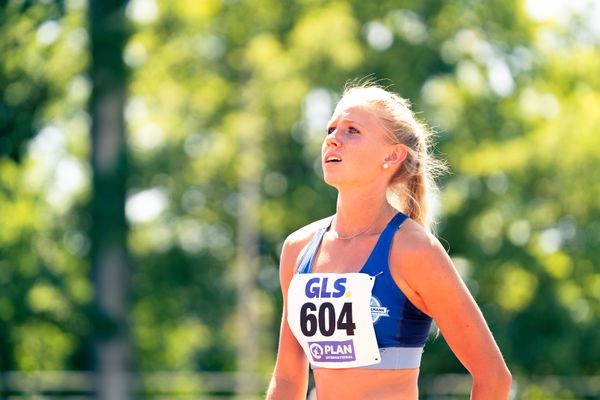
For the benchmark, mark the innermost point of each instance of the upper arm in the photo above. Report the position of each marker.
(429, 271)
(290, 356)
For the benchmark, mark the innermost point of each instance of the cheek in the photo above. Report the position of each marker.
(373, 152)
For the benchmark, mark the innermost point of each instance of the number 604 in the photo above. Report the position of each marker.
(324, 319)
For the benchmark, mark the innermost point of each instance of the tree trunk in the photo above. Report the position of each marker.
(110, 261)
(247, 265)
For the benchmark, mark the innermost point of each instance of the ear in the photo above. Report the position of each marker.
(397, 155)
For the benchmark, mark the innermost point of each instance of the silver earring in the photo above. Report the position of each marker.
(386, 165)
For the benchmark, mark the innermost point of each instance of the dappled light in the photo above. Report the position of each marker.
(223, 112)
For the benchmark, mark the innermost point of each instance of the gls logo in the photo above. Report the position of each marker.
(318, 287)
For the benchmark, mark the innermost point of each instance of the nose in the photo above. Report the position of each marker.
(331, 140)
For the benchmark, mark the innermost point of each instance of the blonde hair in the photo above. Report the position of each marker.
(413, 184)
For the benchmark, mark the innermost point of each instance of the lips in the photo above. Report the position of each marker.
(332, 158)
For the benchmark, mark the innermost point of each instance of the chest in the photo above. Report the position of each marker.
(339, 256)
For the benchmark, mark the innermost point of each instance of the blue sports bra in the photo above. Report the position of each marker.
(401, 328)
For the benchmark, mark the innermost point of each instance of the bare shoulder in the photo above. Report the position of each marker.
(420, 266)
(412, 238)
(298, 239)
(293, 246)
(416, 252)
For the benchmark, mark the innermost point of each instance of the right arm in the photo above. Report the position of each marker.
(290, 377)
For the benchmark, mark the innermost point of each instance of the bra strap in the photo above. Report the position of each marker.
(378, 259)
(398, 219)
(306, 261)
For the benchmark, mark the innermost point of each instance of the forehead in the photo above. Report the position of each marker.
(356, 110)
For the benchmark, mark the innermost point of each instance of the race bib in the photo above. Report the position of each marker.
(330, 315)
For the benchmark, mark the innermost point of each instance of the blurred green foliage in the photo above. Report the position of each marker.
(510, 87)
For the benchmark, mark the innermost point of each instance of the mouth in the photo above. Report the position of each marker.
(332, 159)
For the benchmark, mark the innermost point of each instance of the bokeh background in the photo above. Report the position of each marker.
(155, 154)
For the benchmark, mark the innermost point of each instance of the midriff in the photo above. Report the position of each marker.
(357, 383)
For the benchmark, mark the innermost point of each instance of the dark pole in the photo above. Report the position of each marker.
(110, 259)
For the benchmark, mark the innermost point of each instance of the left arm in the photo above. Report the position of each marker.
(428, 271)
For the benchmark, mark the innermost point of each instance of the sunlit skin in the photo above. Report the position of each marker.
(418, 263)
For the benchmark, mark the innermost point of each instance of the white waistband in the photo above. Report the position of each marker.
(396, 358)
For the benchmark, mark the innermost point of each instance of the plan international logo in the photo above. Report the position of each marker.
(331, 351)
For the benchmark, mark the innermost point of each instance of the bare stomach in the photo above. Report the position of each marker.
(357, 383)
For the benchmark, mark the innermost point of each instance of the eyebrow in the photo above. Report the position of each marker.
(350, 121)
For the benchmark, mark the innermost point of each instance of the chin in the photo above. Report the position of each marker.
(332, 180)
(338, 181)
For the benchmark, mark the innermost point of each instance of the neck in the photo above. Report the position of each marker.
(360, 212)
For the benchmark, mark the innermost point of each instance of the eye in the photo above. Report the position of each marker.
(353, 130)
(330, 130)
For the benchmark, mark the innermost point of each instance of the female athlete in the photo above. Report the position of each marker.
(361, 288)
